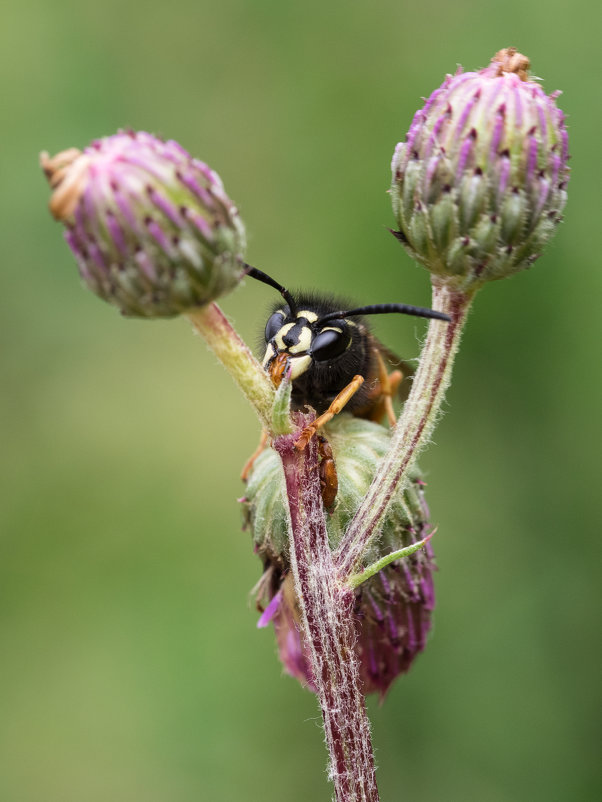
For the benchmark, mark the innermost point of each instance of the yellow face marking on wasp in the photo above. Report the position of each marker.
(280, 336)
(304, 341)
(270, 353)
(299, 364)
(310, 316)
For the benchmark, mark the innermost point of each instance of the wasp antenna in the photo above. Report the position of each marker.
(387, 309)
(255, 273)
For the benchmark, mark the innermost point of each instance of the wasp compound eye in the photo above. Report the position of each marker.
(329, 344)
(273, 326)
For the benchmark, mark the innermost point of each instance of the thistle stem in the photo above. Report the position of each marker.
(326, 609)
(413, 430)
(325, 580)
(234, 354)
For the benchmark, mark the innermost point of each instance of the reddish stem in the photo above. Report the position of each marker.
(328, 626)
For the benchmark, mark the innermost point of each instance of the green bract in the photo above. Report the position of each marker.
(357, 447)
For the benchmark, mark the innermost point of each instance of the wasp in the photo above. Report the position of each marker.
(334, 362)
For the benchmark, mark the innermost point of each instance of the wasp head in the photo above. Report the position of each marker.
(321, 356)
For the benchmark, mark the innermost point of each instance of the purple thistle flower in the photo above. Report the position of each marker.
(392, 619)
(152, 229)
(479, 183)
(393, 609)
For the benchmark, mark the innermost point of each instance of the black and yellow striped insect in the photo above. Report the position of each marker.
(333, 359)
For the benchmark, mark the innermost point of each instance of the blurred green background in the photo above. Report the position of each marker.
(131, 667)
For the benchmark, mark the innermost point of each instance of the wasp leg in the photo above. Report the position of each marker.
(395, 379)
(329, 482)
(387, 387)
(336, 406)
(248, 466)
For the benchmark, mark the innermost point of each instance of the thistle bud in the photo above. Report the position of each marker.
(393, 608)
(479, 183)
(152, 230)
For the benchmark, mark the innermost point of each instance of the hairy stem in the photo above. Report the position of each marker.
(413, 430)
(325, 580)
(326, 609)
(235, 356)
